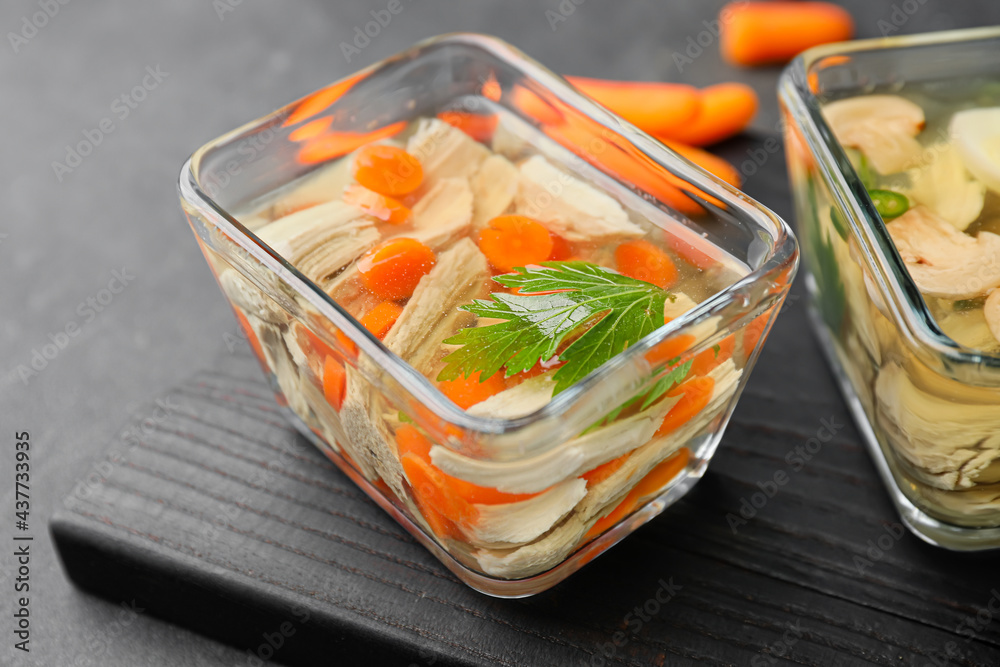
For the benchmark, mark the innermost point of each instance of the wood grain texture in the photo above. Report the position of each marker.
(223, 519)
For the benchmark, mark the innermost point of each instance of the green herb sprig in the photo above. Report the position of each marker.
(583, 312)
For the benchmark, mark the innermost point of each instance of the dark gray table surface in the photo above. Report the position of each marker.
(62, 236)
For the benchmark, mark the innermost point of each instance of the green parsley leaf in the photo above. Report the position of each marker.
(605, 311)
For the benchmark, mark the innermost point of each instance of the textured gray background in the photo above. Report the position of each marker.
(60, 242)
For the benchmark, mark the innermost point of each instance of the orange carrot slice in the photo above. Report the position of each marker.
(393, 269)
(695, 394)
(332, 145)
(388, 170)
(726, 109)
(652, 483)
(671, 348)
(310, 130)
(706, 361)
(438, 505)
(409, 440)
(644, 261)
(605, 470)
(515, 240)
(378, 206)
(546, 112)
(380, 319)
(318, 102)
(662, 474)
(710, 163)
(467, 391)
(478, 126)
(655, 107)
(753, 332)
(334, 382)
(765, 33)
(561, 250)
(251, 335)
(689, 253)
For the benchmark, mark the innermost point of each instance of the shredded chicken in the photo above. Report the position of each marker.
(569, 207)
(943, 261)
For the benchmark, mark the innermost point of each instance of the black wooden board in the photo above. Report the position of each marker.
(219, 517)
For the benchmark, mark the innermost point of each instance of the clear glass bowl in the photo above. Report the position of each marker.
(928, 407)
(293, 324)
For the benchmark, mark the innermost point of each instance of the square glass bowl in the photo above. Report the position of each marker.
(928, 407)
(232, 187)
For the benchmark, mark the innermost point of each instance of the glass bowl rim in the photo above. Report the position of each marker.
(783, 252)
(895, 285)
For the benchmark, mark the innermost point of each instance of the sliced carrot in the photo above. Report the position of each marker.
(689, 253)
(726, 109)
(334, 382)
(695, 394)
(671, 348)
(653, 482)
(483, 495)
(605, 470)
(467, 391)
(655, 107)
(318, 102)
(706, 361)
(710, 163)
(393, 269)
(753, 332)
(332, 145)
(767, 33)
(251, 335)
(662, 474)
(534, 371)
(615, 156)
(378, 206)
(644, 261)
(409, 440)
(546, 112)
(430, 489)
(440, 525)
(380, 319)
(388, 170)
(310, 130)
(515, 240)
(561, 251)
(349, 346)
(478, 126)
(314, 347)
(491, 89)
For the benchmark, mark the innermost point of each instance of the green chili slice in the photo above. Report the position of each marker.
(889, 204)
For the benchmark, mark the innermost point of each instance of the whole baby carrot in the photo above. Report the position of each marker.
(764, 33)
(726, 109)
(655, 107)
